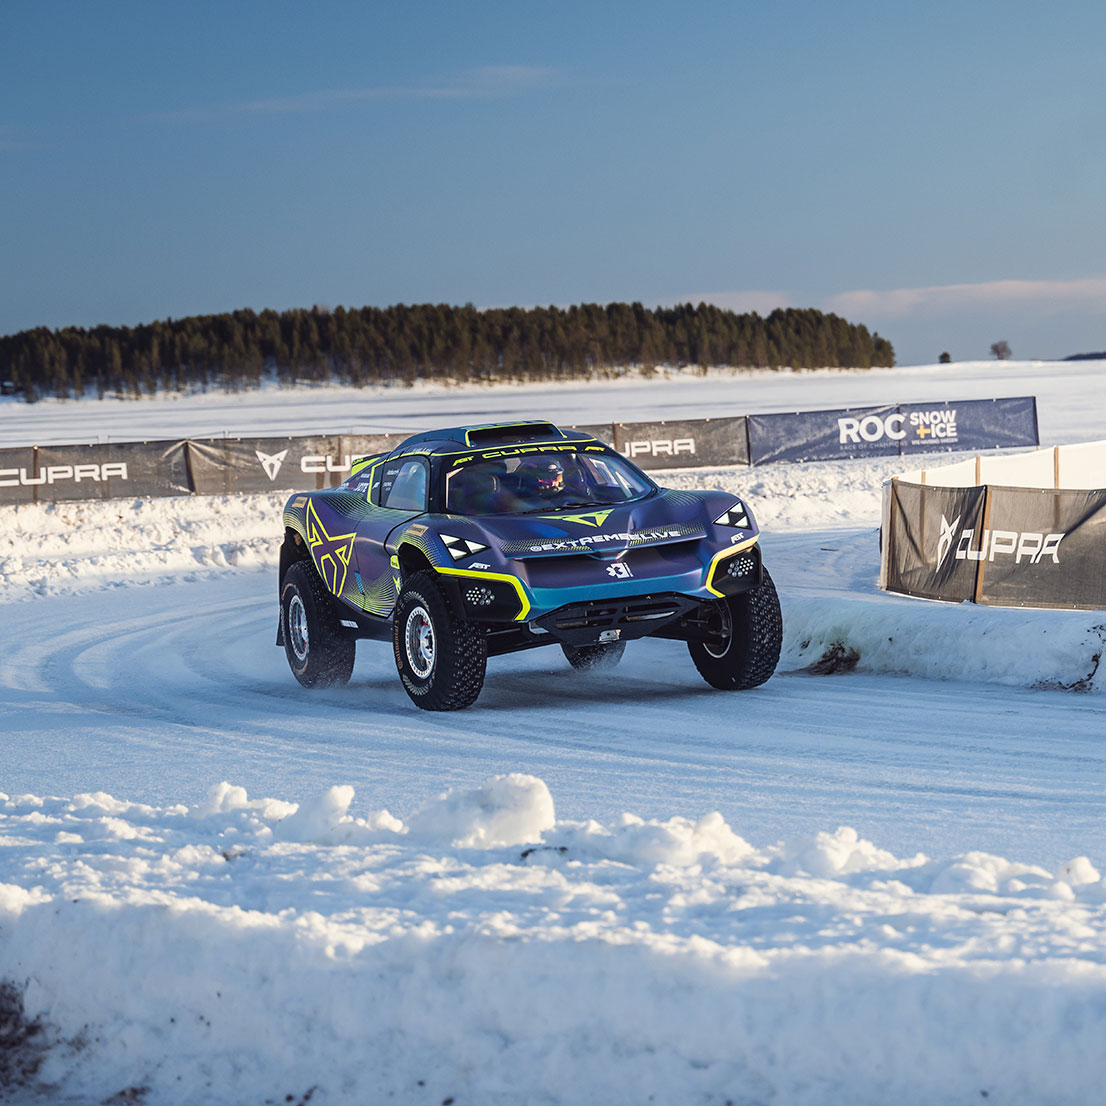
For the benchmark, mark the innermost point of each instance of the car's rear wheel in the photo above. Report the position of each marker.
(748, 648)
(319, 654)
(594, 658)
(440, 656)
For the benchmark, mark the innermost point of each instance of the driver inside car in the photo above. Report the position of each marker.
(550, 482)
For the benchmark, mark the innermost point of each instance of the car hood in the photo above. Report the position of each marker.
(670, 516)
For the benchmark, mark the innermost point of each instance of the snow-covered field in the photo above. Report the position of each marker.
(1059, 385)
(881, 885)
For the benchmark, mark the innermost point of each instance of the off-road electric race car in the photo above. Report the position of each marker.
(477, 541)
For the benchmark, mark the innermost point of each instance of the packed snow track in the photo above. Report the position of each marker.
(158, 692)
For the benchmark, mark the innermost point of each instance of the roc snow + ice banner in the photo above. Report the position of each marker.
(894, 430)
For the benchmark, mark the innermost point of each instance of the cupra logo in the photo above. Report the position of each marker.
(948, 536)
(271, 462)
(986, 545)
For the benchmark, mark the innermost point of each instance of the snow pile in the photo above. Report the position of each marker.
(245, 951)
(65, 548)
(505, 811)
(1060, 650)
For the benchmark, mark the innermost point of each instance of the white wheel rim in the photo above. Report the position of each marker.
(298, 635)
(418, 636)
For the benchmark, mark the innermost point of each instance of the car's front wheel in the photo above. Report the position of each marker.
(319, 654)
(747, 650)
(440, 656)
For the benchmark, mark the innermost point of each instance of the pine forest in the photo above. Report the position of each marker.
(405, 344)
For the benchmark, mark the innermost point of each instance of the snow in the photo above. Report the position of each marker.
(882, 884)
(1060, 386)
(247, 951)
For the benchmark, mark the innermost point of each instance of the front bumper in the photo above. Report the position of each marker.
(530, 591)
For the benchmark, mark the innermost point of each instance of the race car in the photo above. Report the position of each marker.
(477, 541)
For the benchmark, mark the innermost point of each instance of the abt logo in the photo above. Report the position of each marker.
(1021, 545)
(661, 447)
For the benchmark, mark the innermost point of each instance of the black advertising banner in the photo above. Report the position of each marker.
(18, 470)
(690, 444)
(113, 470)
(1042, 548)
(924, 552)
(891, 431)
(221, 466)
(1008, 547)
(601, 431)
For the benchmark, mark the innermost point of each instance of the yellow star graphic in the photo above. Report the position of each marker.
(332, 553)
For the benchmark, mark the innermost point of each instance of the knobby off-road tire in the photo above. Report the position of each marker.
(319, 654)
(752, 649)
(440, 656)
(594, 658)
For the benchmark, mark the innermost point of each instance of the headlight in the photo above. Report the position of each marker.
(736, 572)
(490, 598)
(459, 548)
(736, 516)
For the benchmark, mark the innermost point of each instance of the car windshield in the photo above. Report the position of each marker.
(543, 482)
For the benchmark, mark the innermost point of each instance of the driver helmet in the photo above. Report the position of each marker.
(544, 476)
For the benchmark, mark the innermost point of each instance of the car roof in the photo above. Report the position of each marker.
(486, 435)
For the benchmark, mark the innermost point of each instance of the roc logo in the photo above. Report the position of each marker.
(332, 553)
(591, 518)
(926, 425)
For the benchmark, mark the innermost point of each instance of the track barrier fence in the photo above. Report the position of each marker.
(1024, 530)
(218, 466)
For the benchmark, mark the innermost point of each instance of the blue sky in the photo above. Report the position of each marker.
(936, 171)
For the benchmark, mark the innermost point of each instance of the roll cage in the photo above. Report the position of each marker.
(429, 476)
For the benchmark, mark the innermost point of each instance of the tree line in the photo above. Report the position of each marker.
(404, 344)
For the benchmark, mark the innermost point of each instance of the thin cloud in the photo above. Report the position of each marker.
(484, 83)
(945, 299)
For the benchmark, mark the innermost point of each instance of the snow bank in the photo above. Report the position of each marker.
(245, 951)
(66, 548)
(1058, 650)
